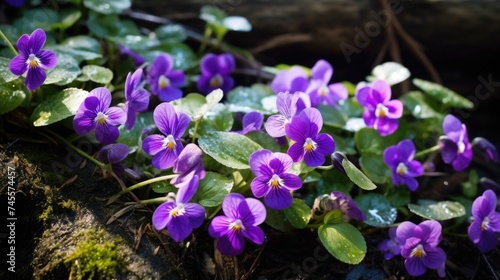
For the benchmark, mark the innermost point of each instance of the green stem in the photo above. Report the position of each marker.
(206, 35)
(95, 161)
(154, 200)
(195, 128)
(427, 151)
(147, 182)
(11, 47)
(315, 226)
(327, 167)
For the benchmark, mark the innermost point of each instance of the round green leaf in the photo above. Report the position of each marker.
(163, 187)
(332, 116)
(68, 18)
(439, 211)
(263, 139)
(443, 95)
(58, 106)
(171, 33)
(378, 210)
(78, 55)
(213, 189)
(82, 42)
(191, 105)
(111, 26)
(229, 148)
(356, 176)
(5, 73)
(98, 74)
(212, 15)
(335, 216)
(217, 119)
(66, 70)
(298, 213)
(108, 7)
(36, 18)
(132, 137)
(258, 97)
(369, 140)
(343, 241)
(135, 42)
(10, 97)
(278, 220)
(374, 167)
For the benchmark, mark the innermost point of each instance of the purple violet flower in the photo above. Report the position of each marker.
(420, 247)
(187, 165)
(291, 80)
(400, 159)
(241, 219)
(380, 113)
(391, 247)
(485, 227)
(288, 105)
(136, 96)
(252, 121)
(114, 154)
(180, 217)
(95, 113)
(339, 200)
(272, 179)
(138, 60)
(215, 70)
(166, 149)
(33, 59)
(455, 146)
(309, 145)
(321, 93)
(487, 148)
(163, 80)
(15, 3)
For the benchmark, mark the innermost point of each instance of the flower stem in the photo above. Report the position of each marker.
(95, 161)
(11, 47)
(427, 151)
(195, 128)
(154, 200)
(147, 182)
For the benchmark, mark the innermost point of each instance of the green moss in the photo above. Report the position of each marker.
(46, 213)
(96, 257)
(69, 205)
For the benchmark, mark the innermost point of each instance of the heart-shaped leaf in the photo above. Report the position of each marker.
(343, 241)
(298, 213)
(58, 106)
(213, 189)
(439, 211)
(378, 210)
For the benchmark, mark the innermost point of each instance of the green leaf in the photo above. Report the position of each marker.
(332, 116)
(108, 7)
(136, 42)
(217, 119)
(182, 55)
(11, 32)
(421, 106)
(229, 148)
(357, 177)
(171, 33)
(399, 196)
(191, 105)
(132, 137)
(332, 181)
(439, 211)
(374, 167)
(58, 106)
(351, 107)
(258, 97)
(278, 220)
(66, 71)
(298, 213)
(237, 23)
(82, 42)
(335, 216)
(78, 55)
(213, 189)
(5, 73)
(212, 15)
(163, 187)
(68, 18)
(10, 97)
(469, 188)
(263, 139)
(98, 74)
(36, 18)
(378, 210)
(369, 140)
(343, 241)
(111, 26)
(443, 95)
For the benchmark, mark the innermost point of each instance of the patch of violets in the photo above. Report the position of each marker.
(322, 93)
(215, 73)
(485, 227)
(32, 59)
(164, 80)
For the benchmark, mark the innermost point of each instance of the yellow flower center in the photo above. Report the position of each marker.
(101, 118)
(216, 81)
(178, 210)
(33, 61)
(236, 225)
(163, 82)
(275, 182)
(485, 223)
(402, 169)
(169, 142)
(381, 111)
(323, 90)
(309, 145)
(418, 252)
